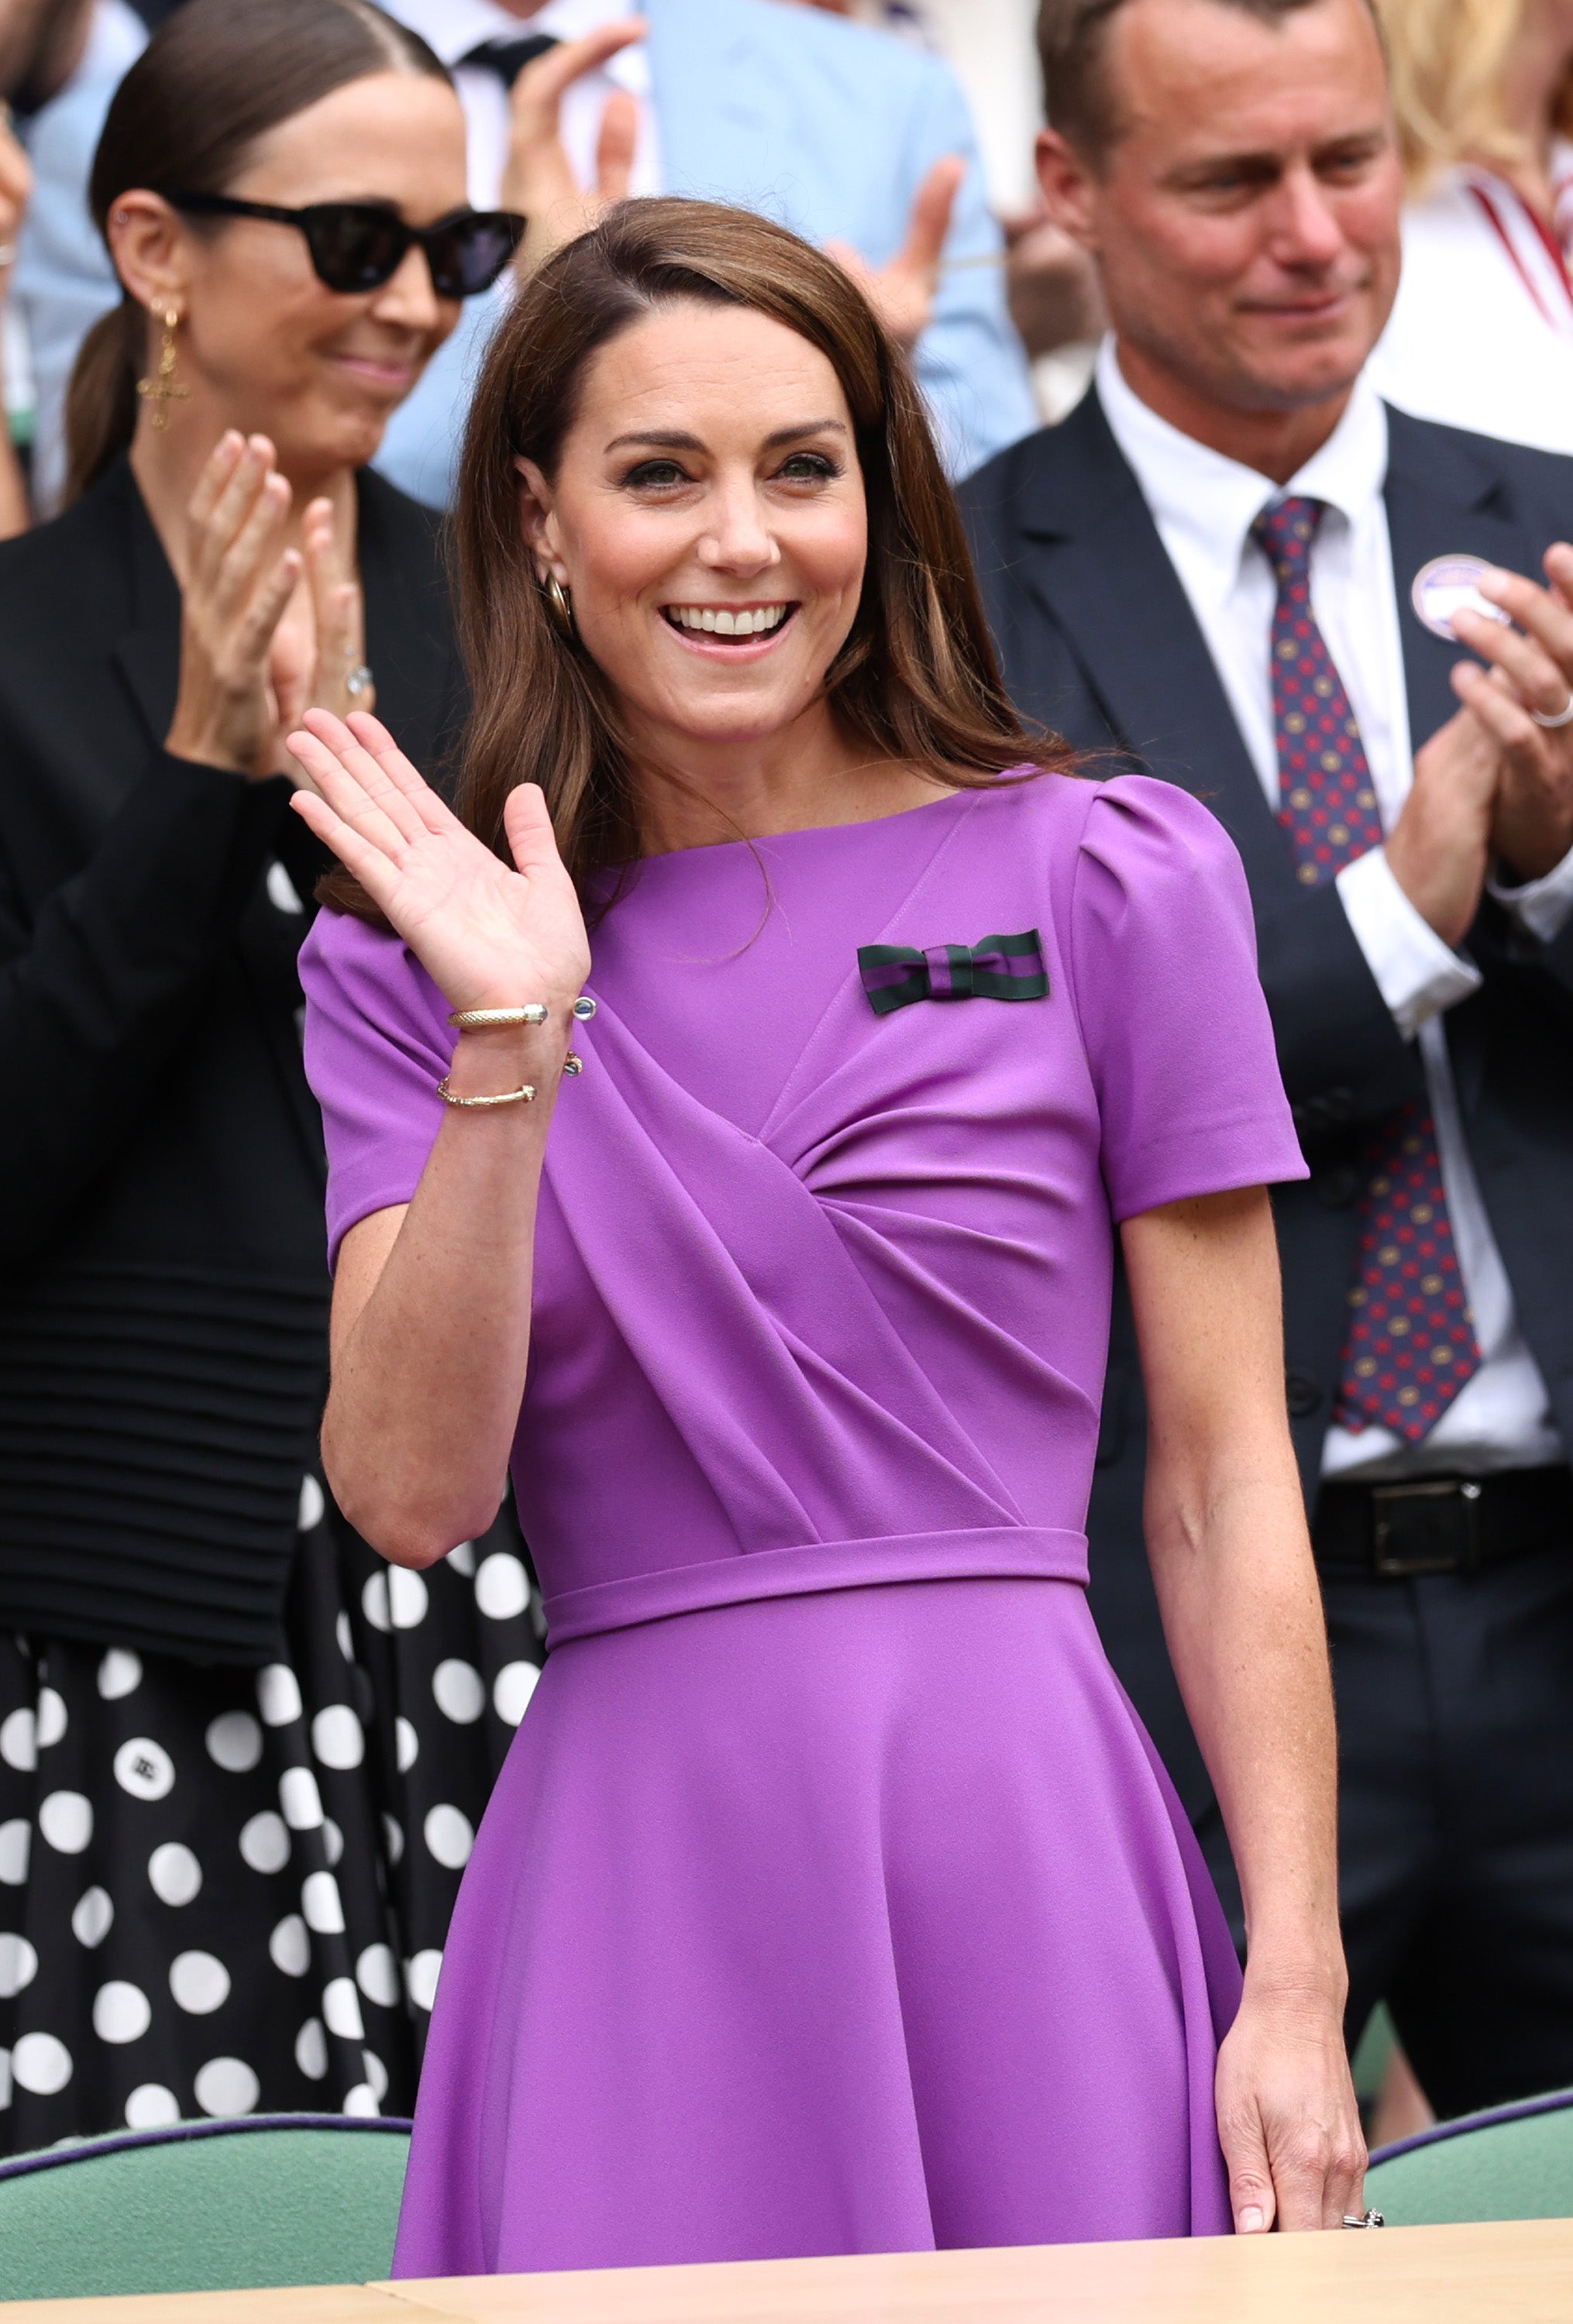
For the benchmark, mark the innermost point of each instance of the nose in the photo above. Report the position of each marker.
(409, 298)
(737, 539)
(1305, 227)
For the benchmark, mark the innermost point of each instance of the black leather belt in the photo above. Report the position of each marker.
(1441, 1525)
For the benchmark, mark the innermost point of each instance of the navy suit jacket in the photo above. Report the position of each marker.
(1098, 640)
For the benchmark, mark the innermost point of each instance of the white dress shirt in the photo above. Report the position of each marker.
(454, 27)
(1204, 506)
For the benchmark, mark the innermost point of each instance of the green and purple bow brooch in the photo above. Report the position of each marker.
(995, 968)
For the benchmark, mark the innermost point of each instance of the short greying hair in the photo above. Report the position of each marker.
(1072, 45)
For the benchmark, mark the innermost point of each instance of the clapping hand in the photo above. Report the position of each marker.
(901, 292)
(489, 936)
(1529, 682)
(539, 179)
(239, 577)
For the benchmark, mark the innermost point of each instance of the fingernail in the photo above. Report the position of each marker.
(1252, 2221)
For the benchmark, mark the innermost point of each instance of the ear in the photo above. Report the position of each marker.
(1066, 178)
(150, 249)
(538, 520)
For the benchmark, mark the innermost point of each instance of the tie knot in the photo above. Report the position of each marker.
(1286, 531)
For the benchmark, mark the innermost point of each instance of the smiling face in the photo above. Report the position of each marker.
(707, 517)
(263, 343)
(1245, 217)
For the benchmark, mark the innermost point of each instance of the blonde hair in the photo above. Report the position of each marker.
(1448, 59)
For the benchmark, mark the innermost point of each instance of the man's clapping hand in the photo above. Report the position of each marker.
(539, 179)
(902, 291)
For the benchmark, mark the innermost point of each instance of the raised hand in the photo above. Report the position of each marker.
(539, 179)
(239, 577)
(902, 291)
(487, 936)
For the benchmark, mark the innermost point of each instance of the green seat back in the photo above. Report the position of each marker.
(211, 2207)
(1513, 2163)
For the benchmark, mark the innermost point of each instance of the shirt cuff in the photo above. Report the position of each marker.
(1416, 973)
(1541, 905)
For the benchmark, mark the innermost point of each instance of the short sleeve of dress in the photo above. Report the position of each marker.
(1163, 963)
(377, 1044)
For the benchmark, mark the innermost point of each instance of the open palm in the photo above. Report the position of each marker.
(489, 937)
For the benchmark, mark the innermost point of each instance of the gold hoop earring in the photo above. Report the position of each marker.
(163, 389)
(560, 605)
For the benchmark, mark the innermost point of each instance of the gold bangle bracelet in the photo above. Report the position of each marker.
(523, 1096)
(475, 1020)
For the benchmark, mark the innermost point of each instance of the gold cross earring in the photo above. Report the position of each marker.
(163, 389)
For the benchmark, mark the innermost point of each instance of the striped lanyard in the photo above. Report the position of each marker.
(1539, 260)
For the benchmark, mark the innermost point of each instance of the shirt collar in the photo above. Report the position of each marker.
(1213, 501)
(454, 27)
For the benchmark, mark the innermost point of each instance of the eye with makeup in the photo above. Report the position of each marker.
(655, 476)
(808, 468)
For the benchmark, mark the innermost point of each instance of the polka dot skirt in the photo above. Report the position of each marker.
(225, 1892)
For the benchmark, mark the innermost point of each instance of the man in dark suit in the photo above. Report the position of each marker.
(1205, 573)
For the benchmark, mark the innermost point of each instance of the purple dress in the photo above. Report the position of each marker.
(832, 1898)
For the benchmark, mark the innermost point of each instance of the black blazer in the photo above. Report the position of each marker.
(163, 1282)
(1097, 640)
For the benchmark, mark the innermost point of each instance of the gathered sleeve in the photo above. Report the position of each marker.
(377, 1044)
(1162, 958)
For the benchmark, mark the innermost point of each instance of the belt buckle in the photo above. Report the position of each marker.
(1457, 1496)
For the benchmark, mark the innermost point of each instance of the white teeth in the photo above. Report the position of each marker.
(748, 622)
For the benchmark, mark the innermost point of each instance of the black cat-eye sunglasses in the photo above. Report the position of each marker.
(358, 246)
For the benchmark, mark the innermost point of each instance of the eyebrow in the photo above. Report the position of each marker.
(674, 439)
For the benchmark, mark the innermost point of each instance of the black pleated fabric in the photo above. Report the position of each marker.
(154, 1425)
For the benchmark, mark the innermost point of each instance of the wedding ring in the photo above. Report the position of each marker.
(1562, 717)
(1366, 2219)
(358, 680)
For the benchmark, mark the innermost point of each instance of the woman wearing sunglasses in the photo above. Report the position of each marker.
(238, 1773)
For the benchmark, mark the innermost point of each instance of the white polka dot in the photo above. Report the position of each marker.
(311, 2050)
(66, 1820)
(336, 1737)
(345, 1635)
(512, 1689)
(290, 1947)
(300, 1799)
(341, 2009)
(92, 1917)
(121, 2012)
(460, 1692)
(41, 2064)
(421, 1977)
(151, 2106)
(18, 1964)
(407, 1598)
(278, 1694)
(376, 1973)
(200, 1983)
(407, 1743)
(264, 1843)
(119, 1673)
(234, 1742)
(332, 1841)
(175, 1872)
(19, 1740)
(393, 1838)
(374, 1601)
(51, 1717)
(462, 1558)
(144, 1768)
(15, 1847)
(312, 1504)
(360, 2098)
(281, 891)
(321, 1903)
(4, 2080)
(501, 1586)
(227, 2086)
(376, 2074)
(448, 1836)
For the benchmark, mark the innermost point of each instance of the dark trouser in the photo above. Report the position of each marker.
(1455, 1698)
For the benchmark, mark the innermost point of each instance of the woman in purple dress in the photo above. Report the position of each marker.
(831, 1898)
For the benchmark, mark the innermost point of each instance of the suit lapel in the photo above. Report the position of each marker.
(1092, 554)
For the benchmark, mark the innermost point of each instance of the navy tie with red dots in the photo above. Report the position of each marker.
(1411, 1344)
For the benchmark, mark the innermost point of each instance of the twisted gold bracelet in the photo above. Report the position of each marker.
(475, 1020)
(522, 1096)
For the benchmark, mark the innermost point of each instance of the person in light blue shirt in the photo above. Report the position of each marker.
(829, 126)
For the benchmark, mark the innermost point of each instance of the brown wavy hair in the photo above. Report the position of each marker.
(916, 678)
